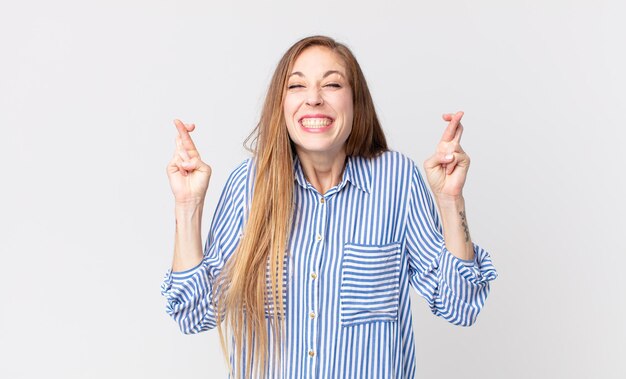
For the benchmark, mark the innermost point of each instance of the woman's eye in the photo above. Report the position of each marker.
(294, 86)
(333, 85)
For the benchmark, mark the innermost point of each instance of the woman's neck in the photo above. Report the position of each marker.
(323, 170)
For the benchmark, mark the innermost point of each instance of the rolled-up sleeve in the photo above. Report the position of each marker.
(455, 289)
(190, 293)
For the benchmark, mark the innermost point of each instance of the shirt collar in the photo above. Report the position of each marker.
(357, 172)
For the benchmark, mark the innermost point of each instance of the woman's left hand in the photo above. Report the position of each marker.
(446, 170)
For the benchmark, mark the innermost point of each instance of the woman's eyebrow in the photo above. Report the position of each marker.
(328, 73)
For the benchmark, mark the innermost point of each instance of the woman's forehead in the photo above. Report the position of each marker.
(318, 61)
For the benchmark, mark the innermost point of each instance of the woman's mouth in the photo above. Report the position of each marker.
(316, 122)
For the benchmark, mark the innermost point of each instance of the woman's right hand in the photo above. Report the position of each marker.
(188, 175)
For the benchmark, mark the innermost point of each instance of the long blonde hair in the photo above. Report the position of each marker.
(249, 291)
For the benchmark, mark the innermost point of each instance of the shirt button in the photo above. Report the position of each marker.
(311, 353)
(318, 237)
(313, 275)
(312, 314)
(322, 200)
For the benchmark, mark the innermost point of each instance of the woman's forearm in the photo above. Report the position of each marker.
(188, 239)
(455, 228)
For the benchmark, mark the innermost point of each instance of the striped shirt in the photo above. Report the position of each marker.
(353, 254)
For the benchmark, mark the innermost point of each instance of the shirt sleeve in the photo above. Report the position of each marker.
(190, 293)
(455, 289)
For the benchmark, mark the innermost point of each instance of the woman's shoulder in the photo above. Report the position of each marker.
(391, 160)
(238, 181)
(386, 170)
(241, 171)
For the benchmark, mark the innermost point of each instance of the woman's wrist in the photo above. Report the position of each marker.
(455, 227)
(450, 202)
(188, 240)
(188, 216)
(189, 207)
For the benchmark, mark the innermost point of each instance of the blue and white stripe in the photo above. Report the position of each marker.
(354, 253)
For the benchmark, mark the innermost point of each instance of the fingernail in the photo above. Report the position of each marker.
(449, 156)
(185, 164)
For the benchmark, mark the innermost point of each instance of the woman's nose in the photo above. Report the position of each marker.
(314, 97)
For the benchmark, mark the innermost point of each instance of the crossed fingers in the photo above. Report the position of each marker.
(454, 130)
(450, 145)
(186, 152)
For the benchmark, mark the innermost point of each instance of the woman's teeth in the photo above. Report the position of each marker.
(316, 122)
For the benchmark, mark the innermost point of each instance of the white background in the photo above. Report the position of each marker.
(88, 91)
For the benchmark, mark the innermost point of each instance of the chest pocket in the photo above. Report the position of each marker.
(370, 287)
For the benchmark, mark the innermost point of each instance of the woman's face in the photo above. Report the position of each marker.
(318, 104)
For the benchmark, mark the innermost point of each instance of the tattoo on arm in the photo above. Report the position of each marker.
(464, 225)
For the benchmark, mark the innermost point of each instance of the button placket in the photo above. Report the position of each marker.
(319, 248)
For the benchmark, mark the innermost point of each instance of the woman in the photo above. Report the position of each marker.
(316, 239)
